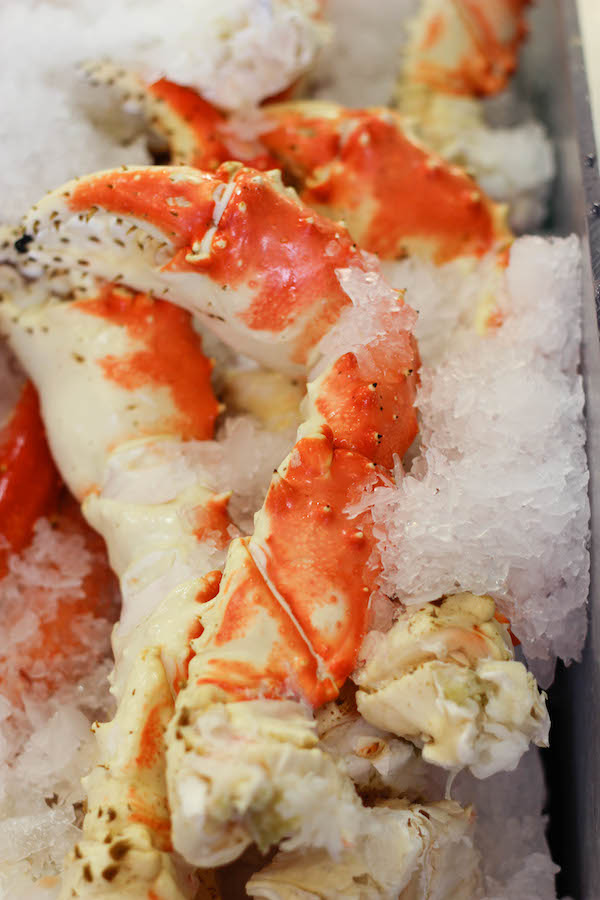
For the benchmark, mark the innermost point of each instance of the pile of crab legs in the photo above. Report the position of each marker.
(215, 744)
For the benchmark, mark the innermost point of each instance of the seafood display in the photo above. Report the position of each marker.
(282, 717)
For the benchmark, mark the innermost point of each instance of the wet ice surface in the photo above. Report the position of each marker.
(496, 502)
(53, 128)
(360, 66)
(45, 749)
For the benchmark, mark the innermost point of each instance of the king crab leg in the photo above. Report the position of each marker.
(245, 709)
(146, 397)
(396, 197)
(225, 246)
(411, 850)
(220, 794)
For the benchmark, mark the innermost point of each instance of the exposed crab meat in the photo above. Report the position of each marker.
(380, 764)
(111, 347)
(421, 679)
(407, 851)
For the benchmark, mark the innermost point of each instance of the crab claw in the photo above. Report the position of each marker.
(445, 678)
(235, 247)
(394, 195)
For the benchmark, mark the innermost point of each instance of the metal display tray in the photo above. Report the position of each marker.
(573, 761)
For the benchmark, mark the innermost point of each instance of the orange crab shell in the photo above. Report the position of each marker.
(170, 356)
(278, 250)
(394, 195)
(29, 480)
(467, 47)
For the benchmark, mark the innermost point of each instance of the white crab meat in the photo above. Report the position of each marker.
(376, 761)
(445, 678)
(413, 852)
(259, 777)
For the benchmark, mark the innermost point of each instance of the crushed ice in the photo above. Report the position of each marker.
(496, 500)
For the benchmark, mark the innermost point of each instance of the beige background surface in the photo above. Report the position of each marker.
(589, 14)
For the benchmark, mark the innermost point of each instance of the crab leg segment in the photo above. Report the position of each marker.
(126, 846)
(460, 52)
(395, 196)
(236, 248)
(466, 46)
(135, 368)
(286, 625)
(365, 168)
(109, 368)
(302, 581)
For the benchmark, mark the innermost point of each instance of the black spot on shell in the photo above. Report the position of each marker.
(119, 850)
(110, 872)
(23, 242)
